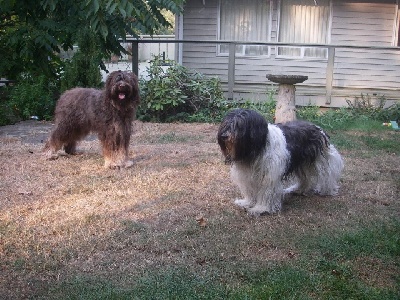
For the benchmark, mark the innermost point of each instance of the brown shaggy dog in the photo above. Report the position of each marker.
(107, 112)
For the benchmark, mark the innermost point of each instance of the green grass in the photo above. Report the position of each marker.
(365, 134)
(347, 140)
(326, 267)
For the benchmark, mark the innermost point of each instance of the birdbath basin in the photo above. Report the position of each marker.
(285, 105)
(287, 79)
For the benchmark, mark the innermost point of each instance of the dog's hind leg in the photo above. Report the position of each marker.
(70, 147)
(329, 168)
(305, 178)
(51, 148)
(64, 135)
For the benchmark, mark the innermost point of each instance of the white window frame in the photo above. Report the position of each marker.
(243, 53)
(302, 50)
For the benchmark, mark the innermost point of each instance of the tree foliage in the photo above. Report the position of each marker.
(32, 33)
(83, 69)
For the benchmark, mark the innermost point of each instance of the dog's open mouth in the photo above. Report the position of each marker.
(121, 96)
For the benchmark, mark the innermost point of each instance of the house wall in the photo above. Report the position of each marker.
(371, 24)
(148, 51)
(356, 71)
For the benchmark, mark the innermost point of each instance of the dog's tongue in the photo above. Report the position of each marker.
(121, 96)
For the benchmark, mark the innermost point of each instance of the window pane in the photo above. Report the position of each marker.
(302, 21)
(315, 52)
(239, 49)
(256, 50)
(245, 21)
(289, 51)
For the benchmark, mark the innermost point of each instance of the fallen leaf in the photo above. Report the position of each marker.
(201, 221)
(291, 254)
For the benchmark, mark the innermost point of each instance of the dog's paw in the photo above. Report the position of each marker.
(258, 211)
(261, 209)
(329, 192)
(243, 203)
(113, 165)
(128, 164)
(50, 155)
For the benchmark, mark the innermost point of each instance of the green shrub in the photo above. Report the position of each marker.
(177, 94)
(374, 108)
(33, 96)
(364, 113)
(391, 113)
(83, 69)
(330, 119)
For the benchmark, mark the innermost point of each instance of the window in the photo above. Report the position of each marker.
(245, 21)
(304, 21)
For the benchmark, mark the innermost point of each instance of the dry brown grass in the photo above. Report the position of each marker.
(71, 216)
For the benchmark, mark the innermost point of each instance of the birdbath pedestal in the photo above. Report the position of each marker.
(285, 106)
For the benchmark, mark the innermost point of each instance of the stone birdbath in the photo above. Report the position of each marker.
(285, 106)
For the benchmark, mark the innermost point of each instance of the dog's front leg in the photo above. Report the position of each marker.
(267, 203)
(268, 196)
(241, 176)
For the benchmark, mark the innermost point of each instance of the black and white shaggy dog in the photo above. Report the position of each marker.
(108, 112)
(264, 157)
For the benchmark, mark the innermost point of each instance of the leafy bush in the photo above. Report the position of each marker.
(332, 118)
(362, 113)
(216, 112)
(33, 96)
(83, 69)
(391, 113)
(374, 108)
(173, 92)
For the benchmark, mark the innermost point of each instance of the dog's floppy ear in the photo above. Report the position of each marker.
(110, 81)
(110, 77)
(136, 92)
(132, 76)
(226, 135)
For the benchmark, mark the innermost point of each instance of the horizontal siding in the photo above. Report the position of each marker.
(200, 22)
(256, 71)
(200, 50)
(369, 24)
(367, 68)
(356, 23)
